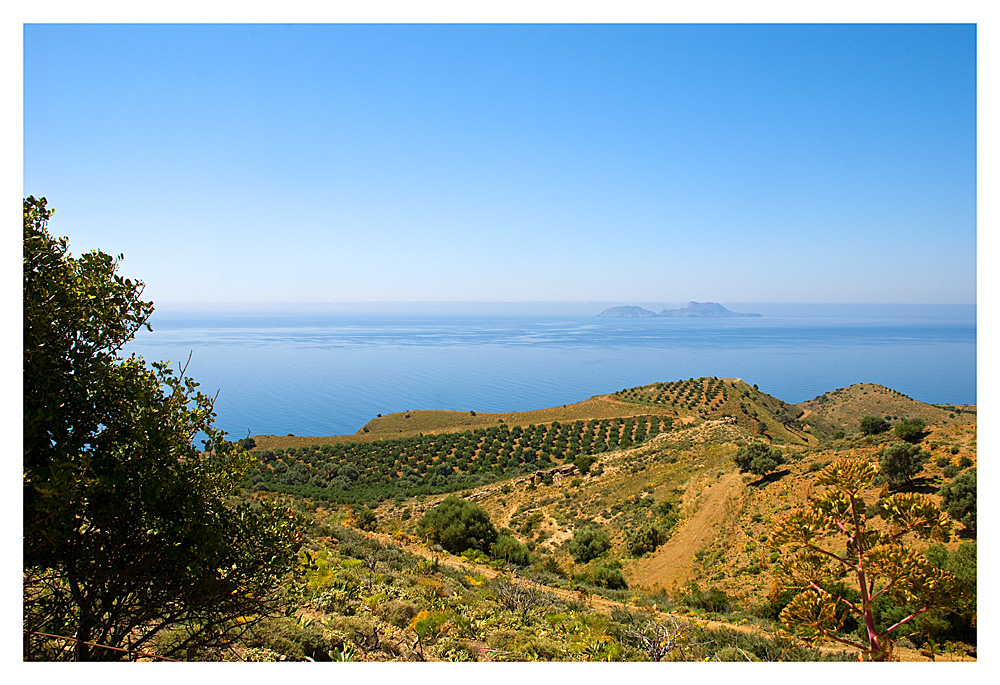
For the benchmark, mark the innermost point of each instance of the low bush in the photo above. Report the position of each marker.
(510, 550)
(588, 543)
(288, 637)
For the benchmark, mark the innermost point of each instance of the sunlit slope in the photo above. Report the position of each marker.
(843, 409)
(713, 398)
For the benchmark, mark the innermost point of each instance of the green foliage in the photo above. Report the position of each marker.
(293, 639)
(589, 543)
(457, 524)
(361, 472)
(883, 563)
(510, 550)
(584, 462)
(128, 529)
(910, 430)
(901, 461)
(959, 499)
(713, 599)
(873, 425)
(758, 458)
(644, 539)
(603, 575)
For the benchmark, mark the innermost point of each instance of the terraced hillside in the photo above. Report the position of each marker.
(424, 452)
(712, 398)
(684, 536)
(370, 471)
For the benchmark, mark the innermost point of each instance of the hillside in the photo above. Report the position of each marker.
(657, 457)
(713, 398)
(845, 407)
(427, 452)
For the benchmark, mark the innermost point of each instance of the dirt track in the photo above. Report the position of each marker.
(673, 563)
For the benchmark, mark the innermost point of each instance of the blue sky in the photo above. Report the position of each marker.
(612, 163)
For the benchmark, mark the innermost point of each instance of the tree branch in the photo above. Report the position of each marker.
(836, 597)
(831, 554)
(912, 616)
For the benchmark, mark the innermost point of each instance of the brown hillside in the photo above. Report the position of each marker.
(844, 408)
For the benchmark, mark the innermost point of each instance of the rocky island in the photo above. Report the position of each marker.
(692, 310)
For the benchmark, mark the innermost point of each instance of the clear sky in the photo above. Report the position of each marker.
(612, 163)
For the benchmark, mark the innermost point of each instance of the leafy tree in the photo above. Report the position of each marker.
(128, 529)
(457, 525)
(959, 499)
(758, 458)
(910, 430)
(901, 461)
(873, 425)
(831, 539)
(589, 543)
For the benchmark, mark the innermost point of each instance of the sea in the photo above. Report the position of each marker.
(327, 369)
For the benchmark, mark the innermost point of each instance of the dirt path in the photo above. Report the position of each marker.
(673, 563)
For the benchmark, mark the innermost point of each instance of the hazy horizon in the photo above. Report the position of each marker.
(562, 308)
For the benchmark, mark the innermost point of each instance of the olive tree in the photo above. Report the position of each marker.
(901, 461)
(130, 532)
(831, 539)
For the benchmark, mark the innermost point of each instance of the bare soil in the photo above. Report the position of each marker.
(674, 563)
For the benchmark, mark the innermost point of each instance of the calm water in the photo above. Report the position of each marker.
(327, 373)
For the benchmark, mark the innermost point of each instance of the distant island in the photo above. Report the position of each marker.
(692, 310)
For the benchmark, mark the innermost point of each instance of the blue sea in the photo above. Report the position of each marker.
(326, 370)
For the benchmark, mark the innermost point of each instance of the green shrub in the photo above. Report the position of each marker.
(457, 524)
(589, 543)
(758, 458)
(958, 499)
(910, 430)
(713, 599)
(292, 639)
(510, 550)
(399, 613)
(604, 575)
(610, 577)
(873, 425)
(644, 539)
